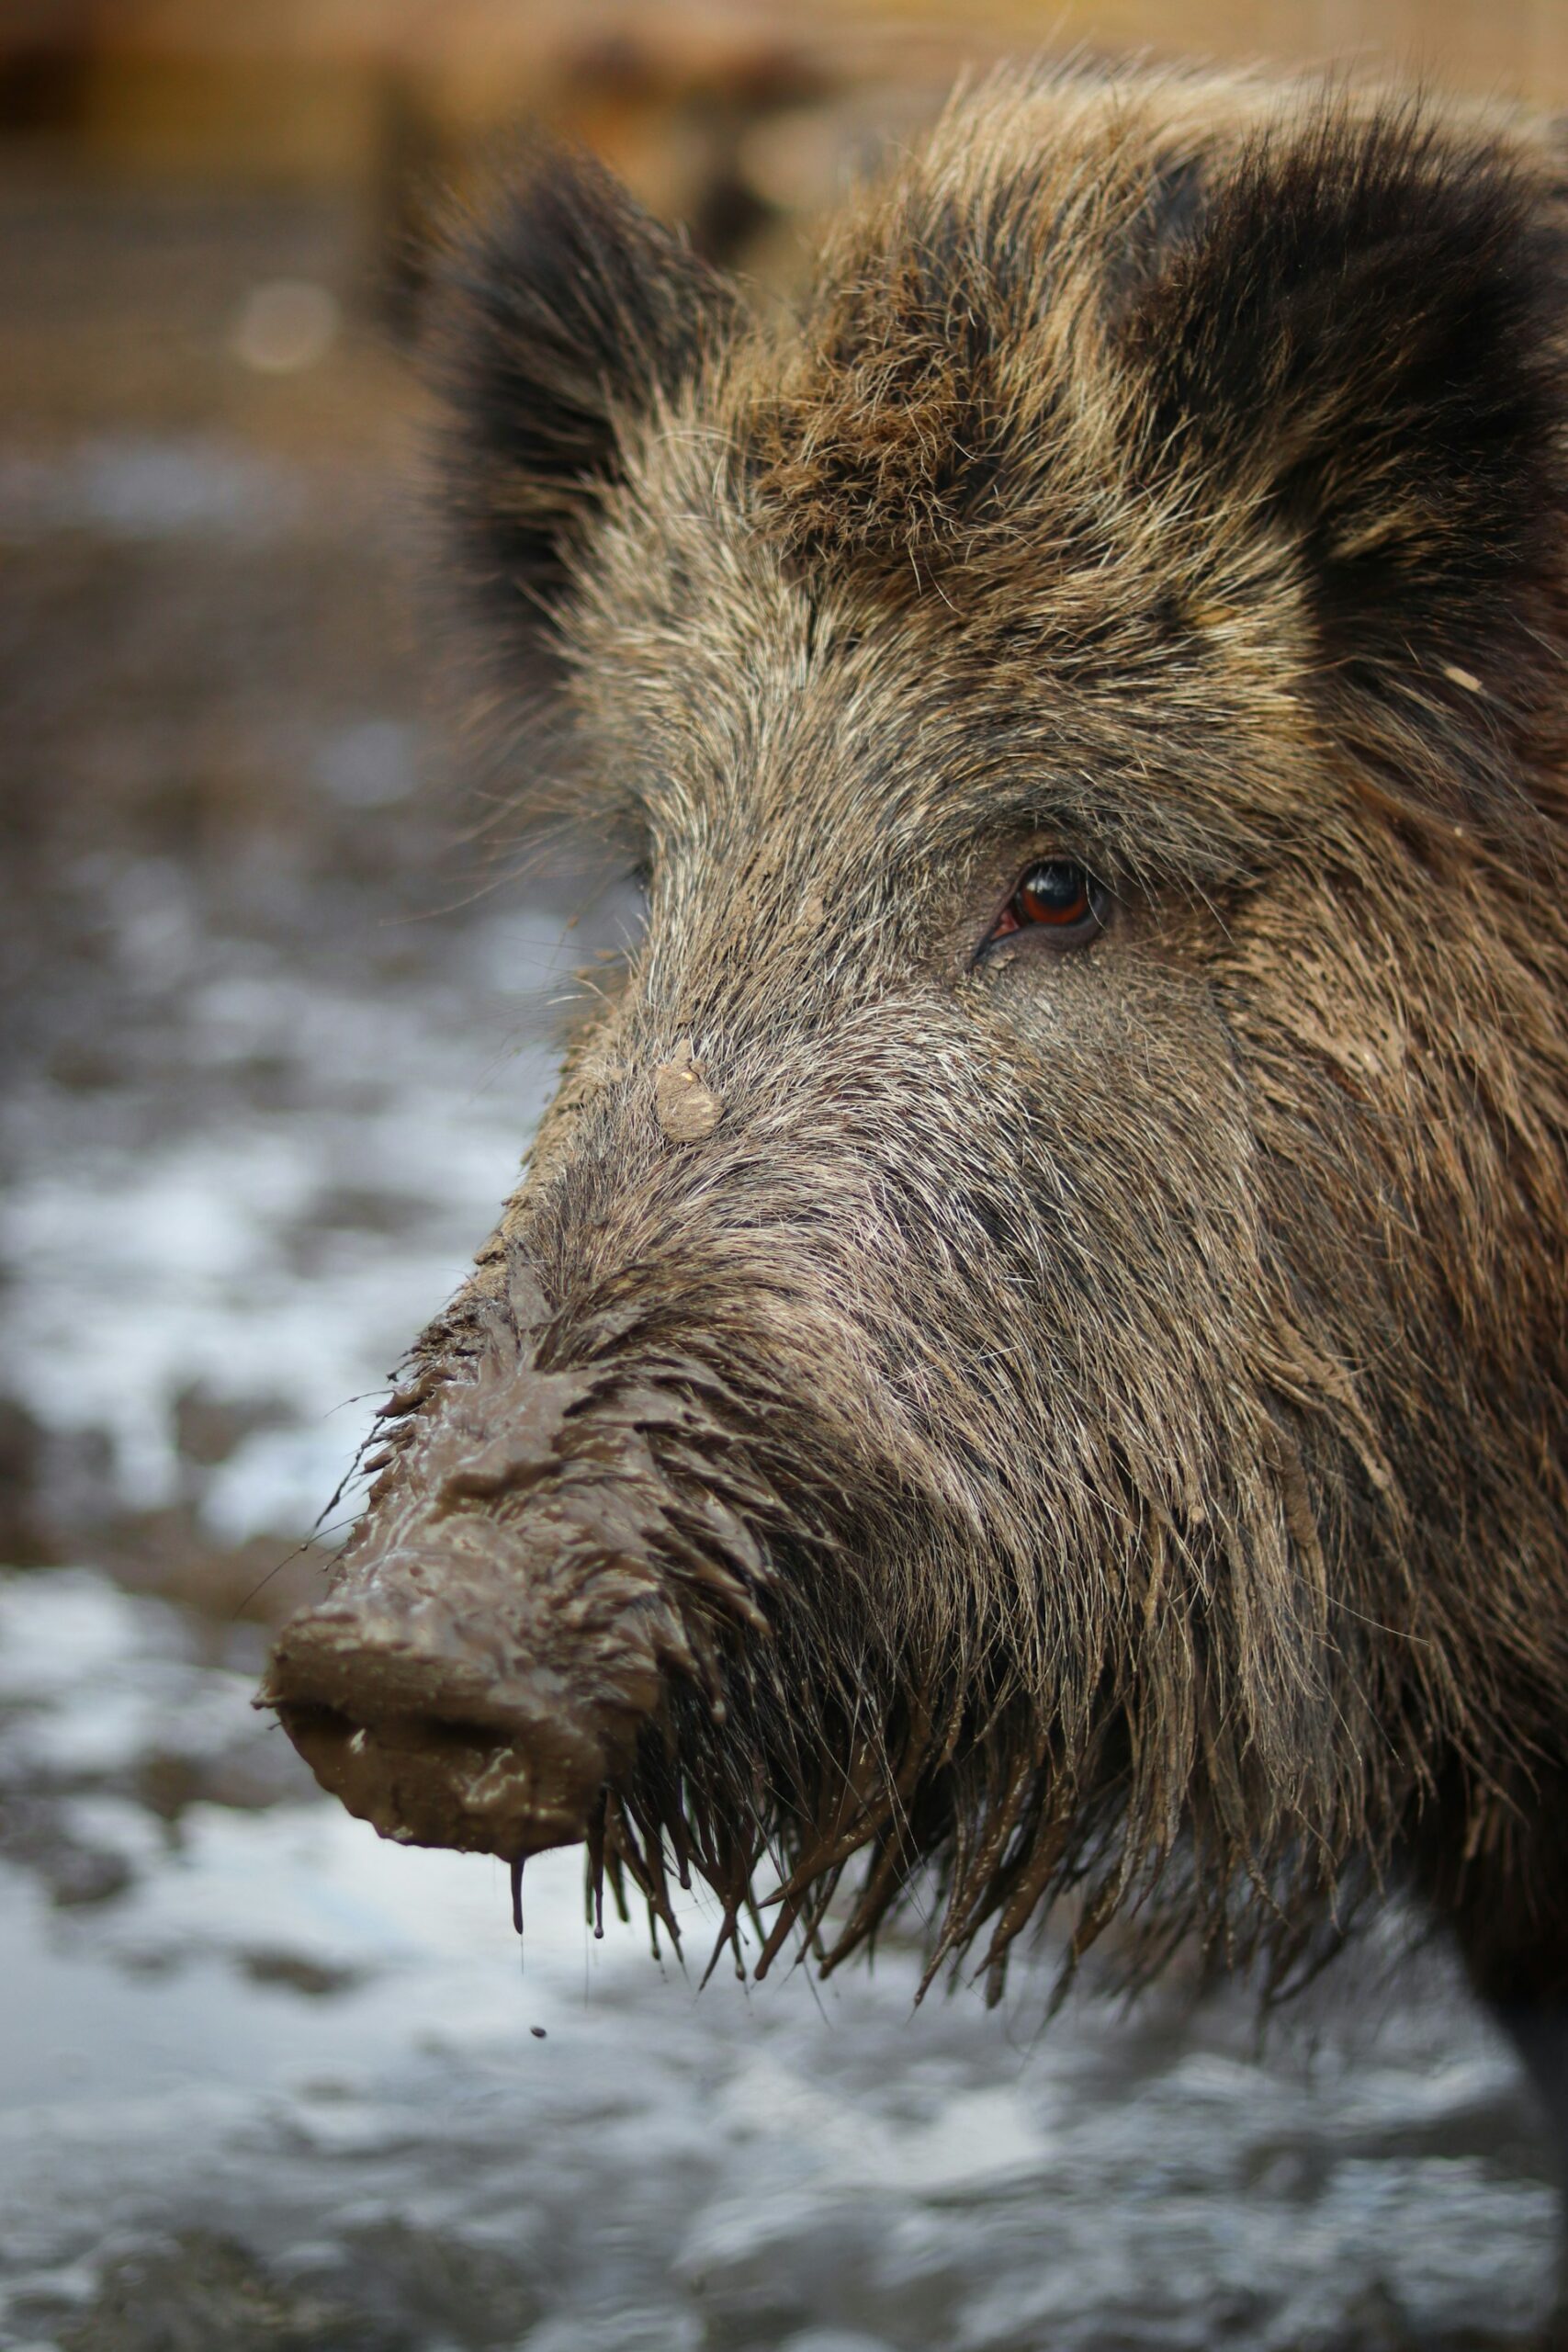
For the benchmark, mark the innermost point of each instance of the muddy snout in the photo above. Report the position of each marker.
(408, 1717)
(502, 1626)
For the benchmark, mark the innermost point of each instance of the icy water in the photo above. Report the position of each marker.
(264, 2081)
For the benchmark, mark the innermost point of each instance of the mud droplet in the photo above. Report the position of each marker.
(687, 1109)
(538, 2032)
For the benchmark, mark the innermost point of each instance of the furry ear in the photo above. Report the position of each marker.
(1362, 340)
(566, 309)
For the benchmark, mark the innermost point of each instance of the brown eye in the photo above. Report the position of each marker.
(1057, 896)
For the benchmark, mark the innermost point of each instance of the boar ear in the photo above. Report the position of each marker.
(1361, 345)
(565, 310)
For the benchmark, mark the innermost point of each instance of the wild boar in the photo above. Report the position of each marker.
(1031, 1350)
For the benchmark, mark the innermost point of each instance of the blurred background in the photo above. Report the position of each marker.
(280, 994)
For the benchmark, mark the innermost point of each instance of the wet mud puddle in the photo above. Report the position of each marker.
(265, 2082)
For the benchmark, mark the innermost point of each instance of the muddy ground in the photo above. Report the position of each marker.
(279, 1007)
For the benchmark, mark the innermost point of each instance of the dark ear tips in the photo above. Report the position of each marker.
(563, 309)
(1364, 334)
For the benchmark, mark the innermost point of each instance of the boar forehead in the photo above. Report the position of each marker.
(1083, 492)
(724, 683)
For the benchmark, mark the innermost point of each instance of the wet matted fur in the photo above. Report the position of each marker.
(1085, 1420)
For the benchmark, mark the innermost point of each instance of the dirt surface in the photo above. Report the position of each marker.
(278, 1024)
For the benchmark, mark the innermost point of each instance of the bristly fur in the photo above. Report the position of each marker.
(566, 309)
(1129, 1385)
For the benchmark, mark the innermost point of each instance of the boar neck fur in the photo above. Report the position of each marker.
(1140, 1379)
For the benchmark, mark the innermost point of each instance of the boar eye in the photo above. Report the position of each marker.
(1058, 898)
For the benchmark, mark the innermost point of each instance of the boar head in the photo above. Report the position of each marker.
(1030, 1351)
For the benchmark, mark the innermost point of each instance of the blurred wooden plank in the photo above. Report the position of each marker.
(279, 119)
(311, 90)
(1547, 74)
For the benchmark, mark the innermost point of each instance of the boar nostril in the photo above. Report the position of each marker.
(426, 1781)
(425, 1746)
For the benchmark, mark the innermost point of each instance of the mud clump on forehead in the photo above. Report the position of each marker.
(1030, 1359)
(688, 1109)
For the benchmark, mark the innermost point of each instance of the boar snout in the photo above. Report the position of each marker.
(506, 1620)
(405, 1716)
